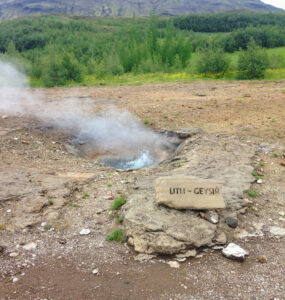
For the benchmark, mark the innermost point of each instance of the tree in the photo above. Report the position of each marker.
(252, 63)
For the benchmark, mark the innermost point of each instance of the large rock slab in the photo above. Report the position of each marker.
(185, 192)
(154, 228)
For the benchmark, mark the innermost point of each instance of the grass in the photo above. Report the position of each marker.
(118, 203)
(117, 236)
(256, 175)
(252, 193)
(2, 226)
(50, 202)
(275, 155)
(84, 196)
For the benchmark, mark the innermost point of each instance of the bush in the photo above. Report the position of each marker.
(253, 62)
(212, 61)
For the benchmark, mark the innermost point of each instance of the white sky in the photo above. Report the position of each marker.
(277, 3)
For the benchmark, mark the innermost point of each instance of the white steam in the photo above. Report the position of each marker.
(112, 132)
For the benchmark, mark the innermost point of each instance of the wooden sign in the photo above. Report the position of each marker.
(182, 192)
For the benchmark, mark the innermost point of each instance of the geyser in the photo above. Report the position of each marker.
(115, 136)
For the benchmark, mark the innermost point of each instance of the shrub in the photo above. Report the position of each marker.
(252, 63)
(212, 61)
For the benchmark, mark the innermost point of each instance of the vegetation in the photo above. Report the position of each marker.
(118, 203)
(117, 235)
(56, 50)
(253, 62)
(252, 193)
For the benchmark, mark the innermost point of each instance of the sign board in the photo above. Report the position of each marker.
(183, 192)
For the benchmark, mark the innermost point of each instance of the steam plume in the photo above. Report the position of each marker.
(113, 131)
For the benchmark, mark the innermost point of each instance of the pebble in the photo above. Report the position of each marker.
(189, 253)
(262, 259)
(9, 210)
(212, 216)
(259, 181)
(84, 231)
(221, 238)
(30, 246)
(174, 264)
(278, 231)
(15, 279)
(235, 252)
(95, 271)
(14, 254)
(232, 222)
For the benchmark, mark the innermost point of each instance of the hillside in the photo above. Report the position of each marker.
(10, 9)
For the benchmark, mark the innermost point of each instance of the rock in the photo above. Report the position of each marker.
(174, 264)
(262, 259)
(282, 163)
(30, 246)
(14, 254)
(235, 252)
(95, 271)
(152, 228)
(144, 257)
(62, 241)
(232, 222)
(259, 181)
(212, 216)
(189, 253)
(221, 239)
(15, 279)
(185, 192)
(84, 232)
(277, 231)
(2, 248)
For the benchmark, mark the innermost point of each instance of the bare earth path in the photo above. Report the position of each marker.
(35, 168)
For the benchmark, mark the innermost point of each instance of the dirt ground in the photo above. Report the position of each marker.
(47, 196)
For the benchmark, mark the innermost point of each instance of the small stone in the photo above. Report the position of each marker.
(9, 210)
(262, 259)
(95, 271)
(282, 213)
(144, 257)
(212, 216)
(282, 163)
(62, 241)
(259, 181)
(15, 279)
(174, 264)
(43, 224)
(84, 231)
(235, 252)
(221, 239)
(2, 248)
(277, 231)
(181, 259)
(14, 254)
(189, 253)
(30, 246)
(4, 117)
(232, 222)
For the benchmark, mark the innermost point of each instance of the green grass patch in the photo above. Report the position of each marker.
(118, 203)
(117, 236)
(252, 193)
(256, 175)
(50, 202)
(84, 196)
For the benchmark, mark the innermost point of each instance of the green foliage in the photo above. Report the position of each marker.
(212, 61)
(85, 196)
(256, 175)
(253, 62)
(228, 21)
(252, 193)
(117, 235)
(118, 203)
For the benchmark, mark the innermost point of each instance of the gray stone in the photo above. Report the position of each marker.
(232, 222)
(235, 252)
(221, 238)
(189, 253)
(277, 231)
(212, 216)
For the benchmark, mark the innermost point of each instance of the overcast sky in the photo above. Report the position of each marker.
(277, 3)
